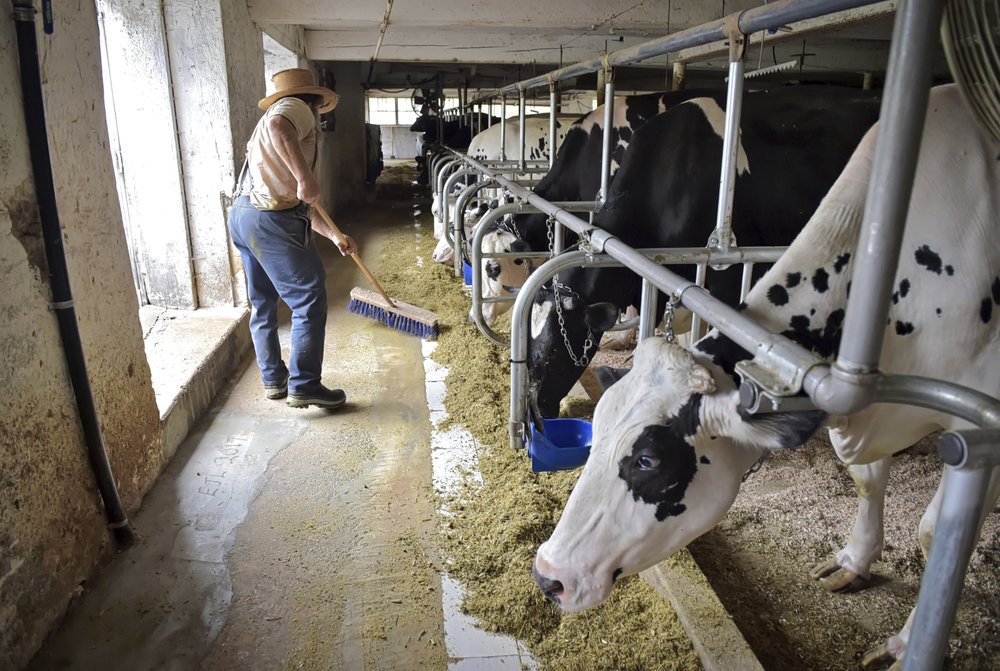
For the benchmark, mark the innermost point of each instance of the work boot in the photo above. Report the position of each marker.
(319, 396)
(275, 392)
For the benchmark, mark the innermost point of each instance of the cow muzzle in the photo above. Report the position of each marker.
(553, 589)
(570, 591)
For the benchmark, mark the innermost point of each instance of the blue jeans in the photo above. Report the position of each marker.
(281, 261)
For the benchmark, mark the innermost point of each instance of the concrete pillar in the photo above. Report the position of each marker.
(341, 161)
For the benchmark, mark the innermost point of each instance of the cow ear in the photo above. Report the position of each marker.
(771, 430)
(780, 430)
(601, 316)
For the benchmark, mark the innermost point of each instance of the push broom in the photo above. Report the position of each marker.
(378, 306)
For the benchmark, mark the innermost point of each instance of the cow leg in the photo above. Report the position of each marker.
(894, 648)
(850, 570)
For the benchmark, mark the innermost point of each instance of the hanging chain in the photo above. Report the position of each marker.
(584, 360)
(550, 234)
(668, 318)
(754, 467)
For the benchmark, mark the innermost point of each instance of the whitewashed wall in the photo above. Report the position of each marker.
(51, 521)
(52, 531)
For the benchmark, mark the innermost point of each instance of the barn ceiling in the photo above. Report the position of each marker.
(483, 43)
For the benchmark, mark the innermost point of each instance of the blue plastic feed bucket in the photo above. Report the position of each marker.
(467, 272)
(564, 444)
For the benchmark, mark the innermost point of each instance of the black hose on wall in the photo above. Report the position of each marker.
(62, 297)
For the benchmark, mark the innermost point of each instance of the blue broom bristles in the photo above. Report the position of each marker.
(393, 320)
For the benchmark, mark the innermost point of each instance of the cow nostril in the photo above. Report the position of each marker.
(555, 593)
(553, 589)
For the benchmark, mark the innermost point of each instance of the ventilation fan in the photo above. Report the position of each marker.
(425, 102)
(971, 36)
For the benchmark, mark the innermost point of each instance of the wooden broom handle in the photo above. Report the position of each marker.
(357, 259)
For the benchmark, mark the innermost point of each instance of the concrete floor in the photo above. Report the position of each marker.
(298, 539)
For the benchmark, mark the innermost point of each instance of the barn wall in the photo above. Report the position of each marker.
(51, 521)
(341, 161)
(52, 527)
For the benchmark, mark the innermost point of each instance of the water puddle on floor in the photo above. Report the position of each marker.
(454, 459)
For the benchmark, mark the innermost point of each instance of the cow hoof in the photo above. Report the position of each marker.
(836, 579)
(881, 657)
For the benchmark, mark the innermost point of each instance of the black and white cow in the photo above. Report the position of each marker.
(575, 176)
(794, 143)
(485, 146)
(671, 442)
(455, 134)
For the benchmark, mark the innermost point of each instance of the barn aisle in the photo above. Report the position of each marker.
(287, 539)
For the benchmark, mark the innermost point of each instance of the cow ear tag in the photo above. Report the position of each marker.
(701, 380)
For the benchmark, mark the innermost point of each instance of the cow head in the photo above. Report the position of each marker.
(670, 447)
(502, 277)
(564, 330)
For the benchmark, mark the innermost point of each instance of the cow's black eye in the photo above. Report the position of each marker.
(647, 463)
(518, 262)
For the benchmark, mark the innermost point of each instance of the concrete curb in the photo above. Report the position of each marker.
(714, 635)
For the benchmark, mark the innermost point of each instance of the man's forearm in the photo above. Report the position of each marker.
(321, 227)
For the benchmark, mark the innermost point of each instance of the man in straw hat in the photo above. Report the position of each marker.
(272, 227)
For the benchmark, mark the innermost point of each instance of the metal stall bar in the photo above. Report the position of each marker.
(647, 310)
(850, 387)
(558, 215)
(521, 105)
(478, 300)
(462, 202)
(445, 167)
(752, 20)
(445, 212)
(553, 108)
(744, 331)
(609, 117)
(503, 126)
(442, 169)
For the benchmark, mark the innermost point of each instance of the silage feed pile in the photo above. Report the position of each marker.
(491, 539)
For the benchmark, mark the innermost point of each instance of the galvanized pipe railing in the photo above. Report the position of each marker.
(503, 127)
(901, 120)
(553, 111)
(446, 211)
(748, 334)
(750, 21)
(484, 226)
(522, 130)
(609, 117)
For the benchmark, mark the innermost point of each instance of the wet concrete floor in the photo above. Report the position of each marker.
(293, 539)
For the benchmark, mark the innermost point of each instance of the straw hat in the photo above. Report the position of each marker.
(298, 81)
